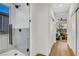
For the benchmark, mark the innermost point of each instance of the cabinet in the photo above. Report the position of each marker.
(4, 24)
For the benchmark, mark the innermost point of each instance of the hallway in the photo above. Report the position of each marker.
(54, 29)
(61, 46)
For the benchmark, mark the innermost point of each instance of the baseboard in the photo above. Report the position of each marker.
(39, 54)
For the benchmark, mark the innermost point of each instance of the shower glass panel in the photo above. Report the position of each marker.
(18, 36)
(22, 28)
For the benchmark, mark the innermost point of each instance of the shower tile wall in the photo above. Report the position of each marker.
(3, 42)
(22, 39)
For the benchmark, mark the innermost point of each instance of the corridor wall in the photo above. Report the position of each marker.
(72, 28)
(52, 28)
(42, 38)
(39, 17)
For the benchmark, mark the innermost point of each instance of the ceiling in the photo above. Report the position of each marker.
(60, 7)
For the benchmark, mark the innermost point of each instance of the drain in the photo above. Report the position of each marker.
(15, 54)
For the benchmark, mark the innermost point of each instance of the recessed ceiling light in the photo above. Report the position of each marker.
(60, 5)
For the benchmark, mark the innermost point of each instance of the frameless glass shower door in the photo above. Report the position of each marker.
(22, 28)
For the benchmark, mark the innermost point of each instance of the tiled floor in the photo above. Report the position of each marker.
(12, 53)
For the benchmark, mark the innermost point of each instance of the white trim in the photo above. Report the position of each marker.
(75, 9)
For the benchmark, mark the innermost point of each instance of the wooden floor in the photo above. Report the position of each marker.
(61, 48)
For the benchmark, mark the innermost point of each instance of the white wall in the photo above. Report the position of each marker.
(52, 28)
(72, 32)
(39, 39)
(72, 27)
(42, 35)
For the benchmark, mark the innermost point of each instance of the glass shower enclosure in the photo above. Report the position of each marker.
(16, 34)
